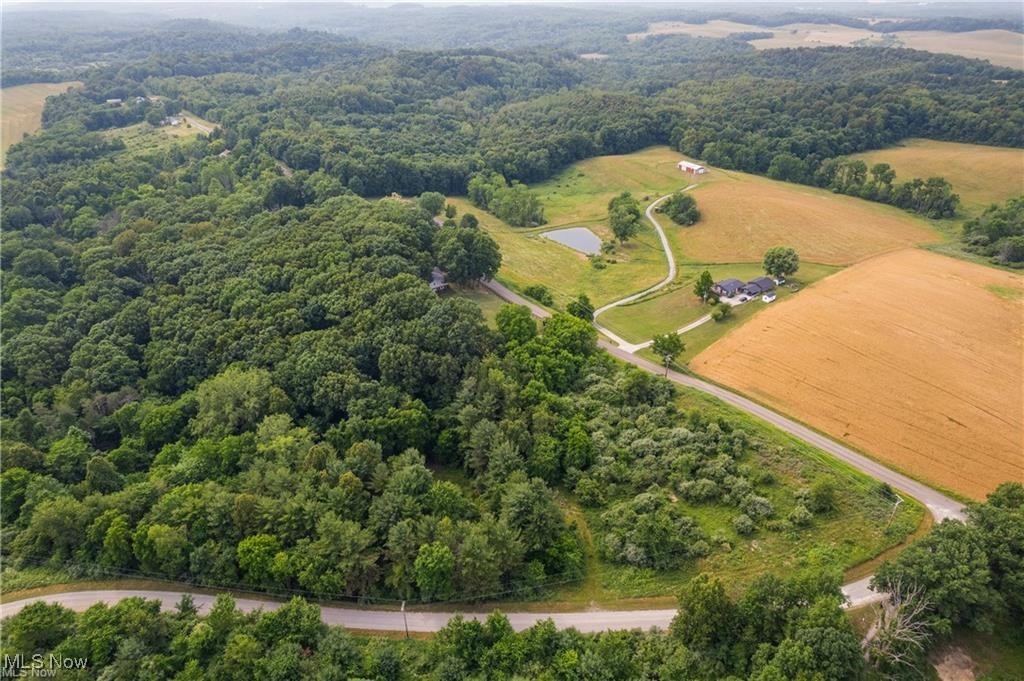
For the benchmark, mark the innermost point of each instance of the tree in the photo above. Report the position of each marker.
(235, 401)
(702, 287)
(432, 202)
(624, 216)
(950, 568)
(781, 261)
(581, 308)
(668, 346)
(706, 620)
(468, 221)
(466, 255)
(434, 566)
(256, 557)
(516, 324)
(681, 209)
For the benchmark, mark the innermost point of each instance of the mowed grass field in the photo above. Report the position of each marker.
(528, 258)
(743, 215)
(980, 175)
(581, 193)
(1000, 47)
(22, 110)
(911, 356)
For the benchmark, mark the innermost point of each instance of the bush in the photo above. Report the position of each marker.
(800, 516)
(743, 525)
(758, 507)
(540, 293)
(721, 312)
(588, 492)
(822, 496)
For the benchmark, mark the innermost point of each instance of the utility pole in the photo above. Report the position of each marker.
(405, 619)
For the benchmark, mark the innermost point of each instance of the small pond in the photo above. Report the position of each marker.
(579, 238)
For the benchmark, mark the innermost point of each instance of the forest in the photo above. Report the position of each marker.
(223, 363)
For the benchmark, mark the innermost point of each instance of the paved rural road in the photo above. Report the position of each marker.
(622, 342)
(392, 620)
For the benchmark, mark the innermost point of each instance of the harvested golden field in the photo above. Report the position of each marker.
(913, 357)
(744, 215)
(980, 175)
(1003, 48)
(22, 110)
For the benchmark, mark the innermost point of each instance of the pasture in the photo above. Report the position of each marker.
(581, 193)
(528, 258)
(744, 215)
(22, 110)
(980, 175)
(1000, 47)
(911, 356)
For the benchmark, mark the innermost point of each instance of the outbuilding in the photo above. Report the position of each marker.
(693, 168)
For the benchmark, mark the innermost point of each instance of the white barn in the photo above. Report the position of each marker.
(694, 168)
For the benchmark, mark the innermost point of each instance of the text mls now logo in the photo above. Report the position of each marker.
(38, 666)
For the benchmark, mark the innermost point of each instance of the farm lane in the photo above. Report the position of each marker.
(621, 342)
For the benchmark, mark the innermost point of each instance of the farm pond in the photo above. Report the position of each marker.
(578, 238)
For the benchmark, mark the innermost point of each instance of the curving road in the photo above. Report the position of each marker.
(623, 343)
(857, 593)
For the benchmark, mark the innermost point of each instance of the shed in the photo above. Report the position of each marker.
(694, 168)
(438, 280)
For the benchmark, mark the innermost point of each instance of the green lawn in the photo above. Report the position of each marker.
(488, 303)
(676, 305)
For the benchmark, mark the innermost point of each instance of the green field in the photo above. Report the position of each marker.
(580, 194)
(22, 112)
(981, 175)
(528, 258)
(676, 305)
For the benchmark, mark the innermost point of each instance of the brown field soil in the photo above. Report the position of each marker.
(743, 215)
(909, 356)
(22, 110)
(1003, 48)
(980, 175)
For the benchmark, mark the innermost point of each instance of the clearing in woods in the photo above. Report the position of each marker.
(23, 110)
(1000, 47)
(743, 215)
(910, 356)
(980, 175)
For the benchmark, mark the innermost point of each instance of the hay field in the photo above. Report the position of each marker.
(1003, 48)
(912, 356)
(22, 110)
(581, 192)
(743, 215)
(980, 175)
